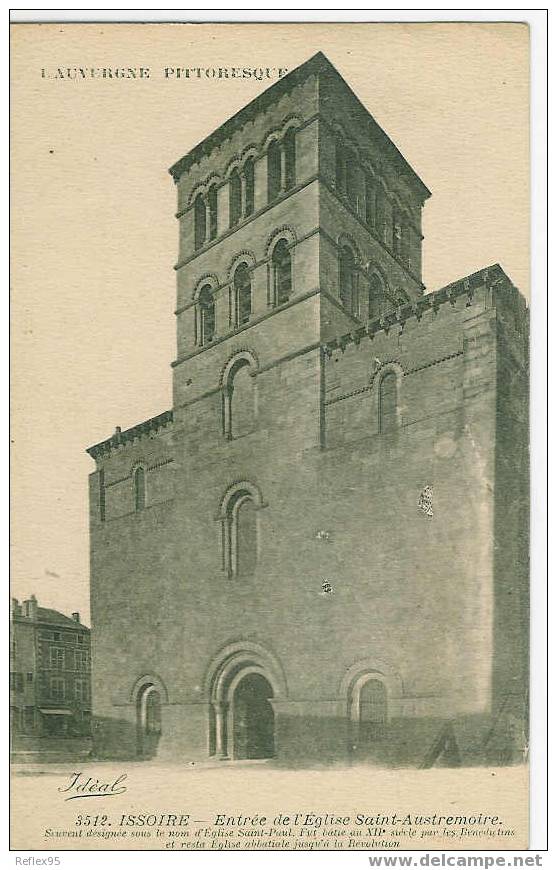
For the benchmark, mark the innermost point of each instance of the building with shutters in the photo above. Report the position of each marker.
(319, 553)
(50, 682)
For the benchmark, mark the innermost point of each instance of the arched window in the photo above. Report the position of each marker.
(388, 421)
(239, 396)
(242, 293)
(249, 178)
(240, 539)
(289, 146)
(246, 536)
(282, 272)
(213, 214)
(199, 218)
(348, 280)
(240, 390)
(235, 188)
(149, 720)
(206, 305)
(273, 170)
(340, 166)
(139, 488)
(370, 202)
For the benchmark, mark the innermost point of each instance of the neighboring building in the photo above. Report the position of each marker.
(50, 680)
(321, 551)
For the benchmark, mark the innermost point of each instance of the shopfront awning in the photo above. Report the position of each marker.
(55, 712)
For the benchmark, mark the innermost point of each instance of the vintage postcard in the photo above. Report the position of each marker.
(271, 456)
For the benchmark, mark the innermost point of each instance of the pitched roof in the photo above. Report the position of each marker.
(316, 64)
(54, 617)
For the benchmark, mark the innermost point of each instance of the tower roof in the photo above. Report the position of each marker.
(316, 65)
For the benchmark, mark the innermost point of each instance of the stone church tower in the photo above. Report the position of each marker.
(320, 552)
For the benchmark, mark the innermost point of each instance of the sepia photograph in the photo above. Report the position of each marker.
(270, 416)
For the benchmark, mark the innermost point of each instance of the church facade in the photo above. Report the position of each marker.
(320, 553)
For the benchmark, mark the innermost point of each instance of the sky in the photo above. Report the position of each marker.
(94, 237)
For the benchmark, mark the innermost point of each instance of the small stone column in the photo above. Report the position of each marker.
(221, 714)
(282, 166)
(243, 199)
(207, 219)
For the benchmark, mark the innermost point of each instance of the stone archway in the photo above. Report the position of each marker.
(148, 695)
(242, 684)
(251, 716)
(369, 688)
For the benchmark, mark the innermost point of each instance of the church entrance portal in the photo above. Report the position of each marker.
(253, 718)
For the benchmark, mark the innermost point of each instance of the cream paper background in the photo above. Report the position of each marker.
(93, 243)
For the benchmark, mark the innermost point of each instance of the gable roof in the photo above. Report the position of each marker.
(54, 617)
(48, 616)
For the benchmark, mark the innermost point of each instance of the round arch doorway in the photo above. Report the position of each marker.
(252, 715)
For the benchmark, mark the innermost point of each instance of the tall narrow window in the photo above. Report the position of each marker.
(240, 535)
(282, 272)
(57, 688)
(149, 720)
(347, 278)
(206, 305)
(249, 178)
(352, 181)
(273, 170)
(242, 292)
(246, 537)
(80, 659)
(139, 488)
(199, 218)
(213, 212)
(388, 403)
(370, 202)
(57, 658)
(239, 397)
(235, 185)
(241, 386)
(290, 158)
(340, 166)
